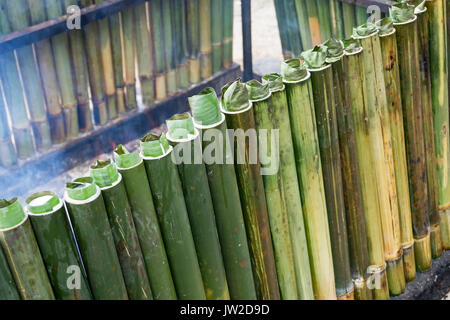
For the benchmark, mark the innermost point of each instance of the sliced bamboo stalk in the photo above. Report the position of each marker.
(303, 24)
(180, 46)
(8, 155)
(156, 26)
(118, 59)
(325, 103)
(129, 48)
(216, 34)
(205, 38)
(50, 224)
(336, 16)
(169, 45)
(348, 14)
(405, 23)
(225, 194)
(354, 64)
(227, 39)
(193, 39)
(187, 148)
(293, 33)
(323, 10)
(282, 28)
(275, 200)
(132, 169)
(314, 24)
(8, 288)
(173, 217)
(22, 252)
(239, 116)
(89, 219)
(388, 42)
(439, 96)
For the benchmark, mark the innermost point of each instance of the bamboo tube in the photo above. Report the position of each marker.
(180, 47)
(282, 28)
(337, 22)
(193, 40)
(8, 288)
(326, 120)
(128, 249)
(303, 24)
(118, 58)
(94, 63)
(293, 33)
(155, 13)
(216, 34)
(348, 16)
(88, 216)
(31, 82)
(353, 62)
(439, 98)
(22, 252)
(187, 150)
(50, 224)
(205, 24)
(132, 169)
(428, 130)
(239, 116)
(389, 54)
(225, 194)
(275, 200)
(81, 74)
(381, 144)
(361, 15)
(280, 117)
(173, 217)
(169, 46)
(144, 55)
(129, 49)
(314, 25)
(324, 14)
(227, 39)
(8, 155)
(405, 23)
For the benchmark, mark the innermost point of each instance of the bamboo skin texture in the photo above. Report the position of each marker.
(8, 288)
(225, 196)
(381, 144)
(361, 15)
(408, 55)
(8, 155)
(323, 10)
(324, 95)
(239, 116)
(22, 252)
(313, 19)
(428, 130)
(184, 137)
(169, 48)
(129, 49)
(205, 24)
(156, 25)
(292, 28)
(289, 182)
(227, 40)
(217, 24)
(180, 36)
(282, 28)
(354, 65)
(388, 42)
(303, 23)
(193, 40)
(275, 199)
(439, 98)
(336, 18)
(348, 13)
(117, 59)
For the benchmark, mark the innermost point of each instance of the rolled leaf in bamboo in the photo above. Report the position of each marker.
(118, 58)
(57, 246)
(193, 39)
(303, 23)
(376, 271)
(129, 49)
(205, 23)
(405, 22)
(8, 288)
(128, 249)
(227, 38)
(216, 34)
(90, 223)
(8, 155)
(239, 116)
(187, 153)
(132, 169)
(314, 24)
(326, 98)
(293, 33)
(156, 26)
(173, 217)
(282, 28)
(180, 46)
(224, 193)
(22, 252)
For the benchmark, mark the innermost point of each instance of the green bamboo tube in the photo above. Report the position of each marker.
(193, 40)
(156, 25)
(337, 22)
(50, 224)
(169, 47)
(361, 15)
(303, 24)
(326, 120)
(445, 215)
(22, 252)
(173, 217)
(118, 58)
(293, 33)
(314, 24)
(354, 209)
(205, 25)
(428, 130)
(8, 289)
(132, 169)
(324, 14)
(47, 68)
(94, 63)
(439, 98)
(31, 83)
(180, 47)
(280, 117)
(128, 249)
(282, 28)
(216, 34)
(227, 39)
(381, 144)
(388, 42)
(405, 23)
(348, 16)
(225, 195)
(239, 117)
(187, 148)
(8, 155)
(90, 223)
(81, 74)
(144, 55)
(275, 200)
(377, 280)
(129, 48)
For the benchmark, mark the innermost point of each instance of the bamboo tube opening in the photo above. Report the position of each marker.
(43, 203)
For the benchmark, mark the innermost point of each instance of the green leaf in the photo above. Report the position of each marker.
(293, 70)
(402, 12)
(335, 50)
(257, 90)
(351, 45)
(104, 173)
(235, 96)
(315, 58)
(180, 126)
(385, 26)
(124, 159)
(205, 107)
(364, 30)
(274, 80)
